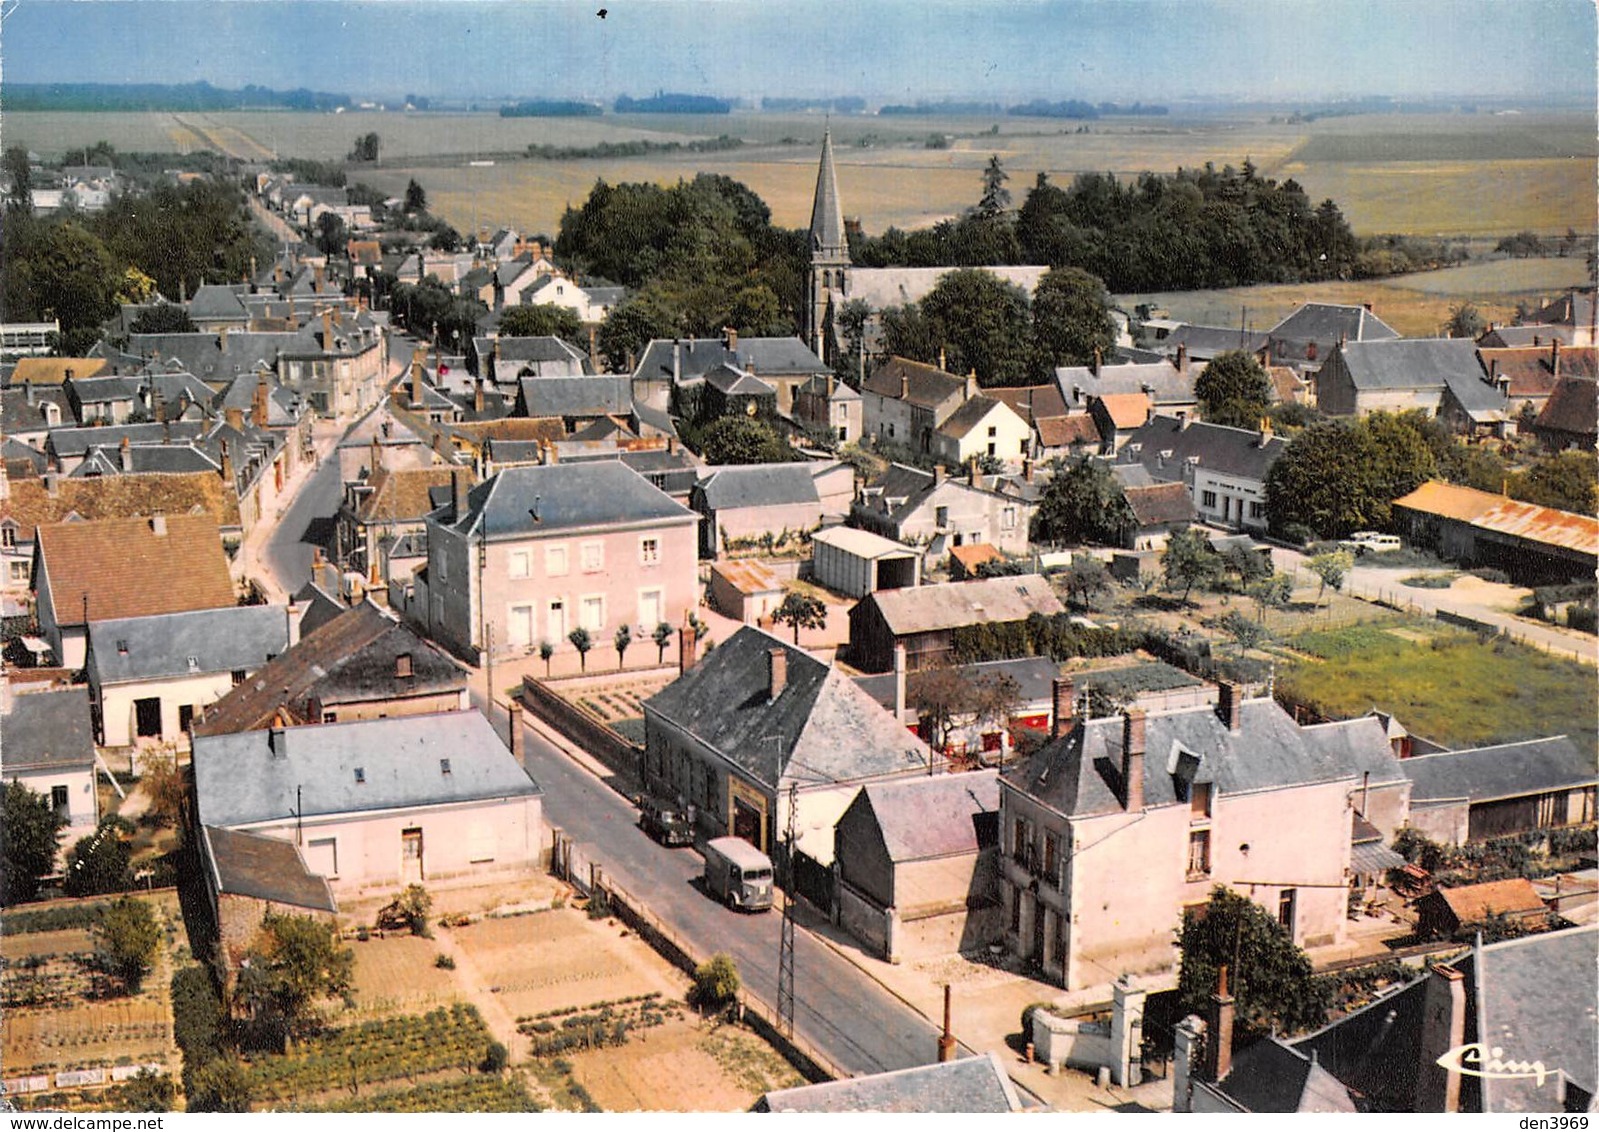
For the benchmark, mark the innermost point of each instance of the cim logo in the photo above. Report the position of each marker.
(1477, 1060)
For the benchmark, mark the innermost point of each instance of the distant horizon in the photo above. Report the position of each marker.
(1270, 52)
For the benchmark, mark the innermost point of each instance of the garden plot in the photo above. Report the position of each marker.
(397, 975)
(682, 1066)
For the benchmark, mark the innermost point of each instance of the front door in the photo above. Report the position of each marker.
(747, 822)
(411, 871)
(147, 718)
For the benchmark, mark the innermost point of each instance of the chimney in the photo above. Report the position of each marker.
(235, 418)
(941, 363)
(158, 525)
(899, 681)
(1554, 356)
(1182, 357)
(1443, 1028)
(52, 484)
(416, 378)
(1188, 1034)
(778, 671)
(1099, 360)
(1027, 470)
(222, 338)
(946, 1040)
(458, 492)
(1063, 707)
(1219, 1047)
(226, 471)
(294, 613)
(477, 395)
(731, 339)
(27, 391)
(1368, 307)
(687, 636)
(374, 461)
(276, 741)
(259, 404)
(125, 451)
(319, 279)
(1133, 759)
(677, 362)
(327, 330)
(515, 730)
(904, 386)
(971, 385)
(1229, 706)
(939, 474)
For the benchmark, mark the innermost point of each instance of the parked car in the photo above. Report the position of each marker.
(1370, 542)
(665, 822)
(738, 874)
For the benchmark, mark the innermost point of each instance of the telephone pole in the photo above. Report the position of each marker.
(785, 949)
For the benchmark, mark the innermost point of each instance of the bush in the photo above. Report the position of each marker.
(1027, 1017)
(1583, 618)
(444, 962)
(599, 906)
(716, 983)
(1569, 842)
(495, 1058)
(1489, 574)
(1298, 532)
(1438, 581)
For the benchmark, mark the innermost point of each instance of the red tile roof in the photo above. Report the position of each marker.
(127, 569)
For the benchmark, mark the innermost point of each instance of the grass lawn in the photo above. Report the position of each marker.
(1444, 685)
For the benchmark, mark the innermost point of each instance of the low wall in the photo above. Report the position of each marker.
(1066, 1041)
(622, 757)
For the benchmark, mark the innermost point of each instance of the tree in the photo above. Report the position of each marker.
(546, 650)
(167, 787)
(126, 938)
(941, 695)
(147, 1091)
(800, 611)
(365, 148)
(716, 983)
(1464, 321)
(27, 841)
(331, 234)
(582, 642)
(623, 638)
(1248, 565)
(1245, 632)
(163, 318)
(631, 327)
(540, 320)
(20, 174)
(220, 1085)
(1331, 568)
(98, 863)
(413, 905)
(416, 198)
(1269, 978)
(984, 324)
(1340, 476)
(662, 636)
(1271, 592)
(743, 440)
(1567, 481)
(1071, 318)
(293, 964)
(1190, 561)
(1233, 390)
(996, 197)
(1084, 502)
(1085, 579)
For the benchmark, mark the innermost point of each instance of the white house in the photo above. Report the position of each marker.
(49, 748)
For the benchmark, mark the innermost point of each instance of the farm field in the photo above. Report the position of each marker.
(396, 975)
(1434, 174)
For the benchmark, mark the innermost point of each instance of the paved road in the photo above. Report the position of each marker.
(838, 1009)
(305, 524)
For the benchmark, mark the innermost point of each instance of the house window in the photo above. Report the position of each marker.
(1007, 519)
(1015, 911)
(330, 717)
(993, 448)
(8, 537)
(519, 564)
(593, 557)
(555, 561)
(402, 665)
(992, 431)
(651, 606)
(444, 766)
(1199, 854)
(1285, 910)
(237, 676)
(1257, 509)
(649, 550)
(941, 516)
(1051, 856)
(59, 799)
(557, 619)
(194, 663)
(1199, 801)
(1207, 499)
(1020, 841)
(360, 776)
(594, 613)
(891, 432)
(19, 572)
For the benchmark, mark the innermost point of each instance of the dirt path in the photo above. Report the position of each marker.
(476, 989)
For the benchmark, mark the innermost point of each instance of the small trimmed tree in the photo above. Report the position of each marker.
(582, 641)
(546, 650)
(293, 964)
(716, 983)
(126, 937)
(1331, 569)
(1271, 593)
(662, 636)
(1233, 390)
(98, 863)
(1190, 561)
(28, 828)
(1085, 579)
(623, 638)
(800, 611)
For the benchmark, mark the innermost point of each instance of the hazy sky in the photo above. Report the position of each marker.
(880, 49)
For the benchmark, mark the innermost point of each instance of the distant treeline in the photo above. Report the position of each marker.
(1071, 108)
(548, 108)
(928, 109)
(673, 104)
(847, 105)
(162, 96)
(632, 148)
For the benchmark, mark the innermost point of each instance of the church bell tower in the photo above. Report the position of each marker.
(830, 262)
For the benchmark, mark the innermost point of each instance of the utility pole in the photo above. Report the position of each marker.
(485, 630)
(785, 951)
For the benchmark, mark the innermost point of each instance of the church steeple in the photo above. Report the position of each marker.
(829, 249)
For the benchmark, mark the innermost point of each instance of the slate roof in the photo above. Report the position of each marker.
(264, 868)
(1326, 323)
(216, 301)
(1165, 446)
(880, 287)
(827, 214)
(595, 395)
(1536, 999)
(205, 355)
(821, 728)
(781, 357)
(1078, 774)
(969, 1085)
(924, 385)
(1527, 334)
(120, 497)
(242, 780)
(568, 497)
(731, 381)
(971, 415)
(862, 544)
(16, 415)
(1270, 1076)
(1574, 308)
(129, 571)
(1205, 342)
(219, 640)
(1573, 407)
(1509, 770)
(924, 609)
(349, 659)
(1036, 403)
(1410, 363)
(760, 485)
(1478, 397)
(48, 731)
(924, 817)
(1162, 382)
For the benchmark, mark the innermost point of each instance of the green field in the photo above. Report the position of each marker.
(1454, 174)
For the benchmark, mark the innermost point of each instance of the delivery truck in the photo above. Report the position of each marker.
(738, 874)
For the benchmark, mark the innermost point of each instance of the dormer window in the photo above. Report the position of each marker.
(8, 536)
(360, 776)
(122, 647)
(402, 665)
(444, 766)
(194, 664)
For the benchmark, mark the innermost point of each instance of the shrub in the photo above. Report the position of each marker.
(1569, 842)
(495, 1058)
(1027, 1017)
(1437, 581)
(444, 962)
(1583, 618)
(599, 906)
(716, 983)
(1489, 574)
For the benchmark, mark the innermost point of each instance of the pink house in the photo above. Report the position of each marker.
(534, 553)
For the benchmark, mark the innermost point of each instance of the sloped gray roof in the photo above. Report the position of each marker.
(1538, 1000)
(827, 214)
(205, 356)
(538, 348)
(970, 415)
(1504, 771)
(1270, 1076)
(1481, 400)
(1079, 774)
(215, 300)
(588, 396)
(970, 1084)
(1410, 363)
(1327, 322)
(730, 380)
(1163, 382)
(255, 776)
(47, 730)
(1219, 448)
(219, 640)
(821, 728)
(762, 485)
(1205, 342)
(922, 609)
(932, 817)
(78, 441)
(784, 357)
(16, 415)
(592, 494)
(265, 868)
